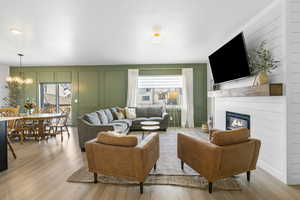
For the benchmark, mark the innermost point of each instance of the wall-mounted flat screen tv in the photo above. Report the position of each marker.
(230, 61)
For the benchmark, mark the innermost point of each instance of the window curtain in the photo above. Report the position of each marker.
(187, 110)
(133, 75)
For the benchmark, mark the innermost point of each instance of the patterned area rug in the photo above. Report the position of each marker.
(168, 170)
(193, 181)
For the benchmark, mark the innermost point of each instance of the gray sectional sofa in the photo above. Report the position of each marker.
(90, 124)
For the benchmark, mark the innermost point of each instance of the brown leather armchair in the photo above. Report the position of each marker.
(228, 153)
(131, 161)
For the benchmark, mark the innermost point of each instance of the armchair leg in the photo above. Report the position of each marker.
(154, 167)
(95, 178)
(182, 165)
(210, 187)
(248, 176)
(141, 187)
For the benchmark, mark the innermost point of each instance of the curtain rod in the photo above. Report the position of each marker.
(159, 68)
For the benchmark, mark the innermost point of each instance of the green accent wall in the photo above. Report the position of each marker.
(102, 86)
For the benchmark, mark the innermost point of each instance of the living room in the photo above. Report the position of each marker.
(140, 105)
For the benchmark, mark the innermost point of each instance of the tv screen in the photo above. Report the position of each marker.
(230, 61)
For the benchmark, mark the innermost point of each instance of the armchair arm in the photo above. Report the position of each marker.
(166, 116)
(165, 122)
(202, 156)
(149, 148)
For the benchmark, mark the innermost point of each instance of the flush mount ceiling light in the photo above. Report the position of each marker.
(15, 31)
(156, 34)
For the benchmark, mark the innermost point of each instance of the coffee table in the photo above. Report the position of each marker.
(149, 126)
(150, 123)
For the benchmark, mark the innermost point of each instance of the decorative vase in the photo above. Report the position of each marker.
(261, 79)
(29, 111)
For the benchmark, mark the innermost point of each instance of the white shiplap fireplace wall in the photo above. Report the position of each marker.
(292, 34)
(274, 120)
(268, 114)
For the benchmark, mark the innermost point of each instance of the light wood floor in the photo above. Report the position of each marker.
(41, 170)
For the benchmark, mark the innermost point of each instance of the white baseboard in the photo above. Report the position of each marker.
(293, 180)
(271, 170)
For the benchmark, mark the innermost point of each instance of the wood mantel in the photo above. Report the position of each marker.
(272, 89)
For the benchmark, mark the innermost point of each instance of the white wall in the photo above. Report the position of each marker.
(4, 71)
(292, 9)
(268, 114)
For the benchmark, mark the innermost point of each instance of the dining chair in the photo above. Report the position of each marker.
(48, 124)
(10, 125)
(58, 126)
(48, 109)
(23, 130)
(50, 127)
(62, 126)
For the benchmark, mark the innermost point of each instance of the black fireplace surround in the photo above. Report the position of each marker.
(237, 120)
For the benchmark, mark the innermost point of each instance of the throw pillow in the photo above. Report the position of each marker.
(109, 115)
(92, 118)
(113, 138)
(130, 113)
(120, 115)
(102, 116)
(122, 110)
(113, 112)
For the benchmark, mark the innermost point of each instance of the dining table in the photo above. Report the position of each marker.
(41, 118)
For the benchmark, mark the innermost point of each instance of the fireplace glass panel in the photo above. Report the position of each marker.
(237, 120)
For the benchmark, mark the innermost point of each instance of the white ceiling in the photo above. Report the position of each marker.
(75, 32)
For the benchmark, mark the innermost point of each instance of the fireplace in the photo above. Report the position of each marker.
(237, 120)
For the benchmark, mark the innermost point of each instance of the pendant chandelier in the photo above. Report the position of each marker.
(18, 77)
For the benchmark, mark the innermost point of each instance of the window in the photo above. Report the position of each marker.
(145, 98)
(56, 97)
(159, 90)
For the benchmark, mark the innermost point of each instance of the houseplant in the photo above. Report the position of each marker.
(29, 105)
(261, 64)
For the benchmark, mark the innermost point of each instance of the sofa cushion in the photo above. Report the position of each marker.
(92, 118)
(109, 115)
(149, 111)
(102, 116)
(119, 126)
(155, 111)
(127, 121)
(112, 138)
(235, 136)
(156, 118)
(141, 112)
